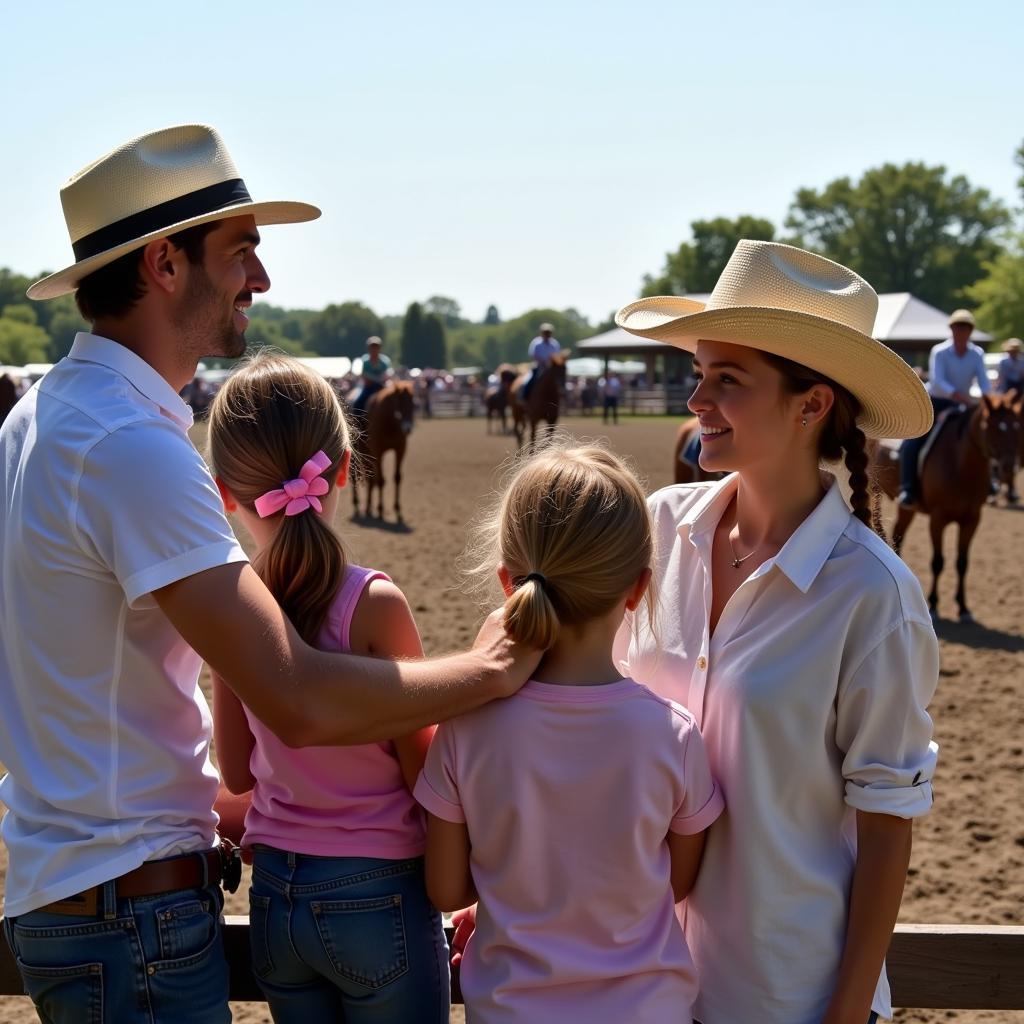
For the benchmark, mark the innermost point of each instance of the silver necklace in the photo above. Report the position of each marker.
(737, 562)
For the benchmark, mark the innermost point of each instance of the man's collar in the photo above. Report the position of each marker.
(806, 551)
(91, 348)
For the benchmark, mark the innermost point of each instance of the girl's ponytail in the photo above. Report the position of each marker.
(530, 617)
(303, 567)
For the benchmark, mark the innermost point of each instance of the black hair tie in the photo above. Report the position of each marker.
(539, 577)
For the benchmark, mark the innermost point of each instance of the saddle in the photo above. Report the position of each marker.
(954, 415)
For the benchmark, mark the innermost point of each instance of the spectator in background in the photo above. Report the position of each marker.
(611, 390)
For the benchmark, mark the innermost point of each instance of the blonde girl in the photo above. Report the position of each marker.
(575, 811)
(340, 923)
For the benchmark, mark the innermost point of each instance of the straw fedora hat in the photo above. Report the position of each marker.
(151, 187)
(803, 307)
(1012, 345)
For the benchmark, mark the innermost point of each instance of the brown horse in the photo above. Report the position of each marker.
(389, 416)
(956, 482)
(543, 403)
(496, 398)
(682, 471)
(1006, 471)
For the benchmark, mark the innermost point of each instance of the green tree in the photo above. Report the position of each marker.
(434, 343)
(412, 336)
(342, 330)
(696, 265)
(269, 334)
(491, 353)
(492, 317)
(905, 228)
(22, 342)
(447, 309)
(1000, 294)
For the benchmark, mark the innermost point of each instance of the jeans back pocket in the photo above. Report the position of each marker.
(364, 939)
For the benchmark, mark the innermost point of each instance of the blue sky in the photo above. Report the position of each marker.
(526, 154)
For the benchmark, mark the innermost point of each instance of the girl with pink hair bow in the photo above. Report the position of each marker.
(340, 923)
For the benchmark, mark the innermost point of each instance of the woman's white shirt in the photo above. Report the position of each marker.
(811, 699)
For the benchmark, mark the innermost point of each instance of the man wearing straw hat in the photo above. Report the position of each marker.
(1011, 368)
(120, 575)
(542, 348)
(953, 366)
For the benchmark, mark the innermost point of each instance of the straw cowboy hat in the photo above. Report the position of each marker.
(151, 187)
(1012, 345)
(805, 308)
(961, 316)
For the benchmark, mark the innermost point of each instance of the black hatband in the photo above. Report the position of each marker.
(174, 211)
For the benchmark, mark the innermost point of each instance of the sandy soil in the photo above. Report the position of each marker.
(968, 853)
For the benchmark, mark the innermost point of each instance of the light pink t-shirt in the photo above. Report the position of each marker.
(568, 793)
(333, 801)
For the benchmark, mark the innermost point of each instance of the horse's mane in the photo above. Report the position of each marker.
(398, 385)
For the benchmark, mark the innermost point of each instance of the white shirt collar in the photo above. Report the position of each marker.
(92, 348)
(806, 551)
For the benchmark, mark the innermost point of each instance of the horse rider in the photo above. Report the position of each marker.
(953, 366)
(375, 373)
(542, 348)
(1011, 368)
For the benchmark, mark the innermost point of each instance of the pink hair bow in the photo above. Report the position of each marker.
(295, 496)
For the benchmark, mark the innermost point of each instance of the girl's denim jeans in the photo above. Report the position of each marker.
(346, 938)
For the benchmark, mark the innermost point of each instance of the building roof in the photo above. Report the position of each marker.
(901, 319)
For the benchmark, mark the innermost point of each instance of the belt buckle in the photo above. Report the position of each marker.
(230, 865)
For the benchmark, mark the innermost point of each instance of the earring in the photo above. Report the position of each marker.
(803, 423)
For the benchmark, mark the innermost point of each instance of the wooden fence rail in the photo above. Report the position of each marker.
(952, 967)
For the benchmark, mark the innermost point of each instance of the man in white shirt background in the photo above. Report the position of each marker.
(542, 348)
(954, 365)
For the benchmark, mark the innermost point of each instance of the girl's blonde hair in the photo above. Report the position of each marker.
(573, 531)
(271, 416)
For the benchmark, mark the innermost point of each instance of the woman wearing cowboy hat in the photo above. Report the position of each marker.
(797, 638)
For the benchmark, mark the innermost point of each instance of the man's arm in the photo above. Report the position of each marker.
(315, 698)
(984, 384)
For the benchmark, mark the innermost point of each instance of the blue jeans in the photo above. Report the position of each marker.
(351, 939)
(911, 449)
(145, 960)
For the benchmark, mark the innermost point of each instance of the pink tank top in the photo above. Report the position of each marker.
(333, 801)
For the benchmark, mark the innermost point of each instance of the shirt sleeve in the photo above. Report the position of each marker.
(701, 801)
(984, 384)
(437, 788)
(149, 509)
(883, 727)
(938, 385)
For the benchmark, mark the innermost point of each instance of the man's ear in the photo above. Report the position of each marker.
(230, 503)
(506, 580)
(162, 265)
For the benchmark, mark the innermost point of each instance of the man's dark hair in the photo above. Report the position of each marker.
(114, 290)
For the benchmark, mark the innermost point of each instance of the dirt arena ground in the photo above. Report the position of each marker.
(968, 853)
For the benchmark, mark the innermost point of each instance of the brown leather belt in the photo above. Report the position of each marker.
(187, 871)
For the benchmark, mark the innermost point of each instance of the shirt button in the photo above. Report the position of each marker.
(702, 663)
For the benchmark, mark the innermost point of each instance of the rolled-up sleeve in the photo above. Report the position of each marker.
(437, 788)
(883, 727)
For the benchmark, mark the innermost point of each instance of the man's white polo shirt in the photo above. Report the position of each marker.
(103, 730)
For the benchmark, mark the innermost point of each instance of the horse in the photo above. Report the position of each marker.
(496, 398)
(956, 482)
(388, 423)
(683, 470)
(544, 400)
(1006, 473)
